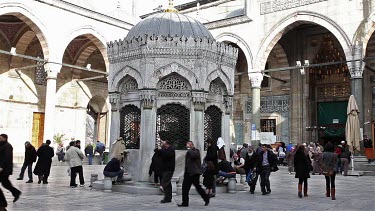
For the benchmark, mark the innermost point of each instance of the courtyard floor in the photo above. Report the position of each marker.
(352, 193)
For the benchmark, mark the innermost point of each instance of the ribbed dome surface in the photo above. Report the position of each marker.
(169, 23)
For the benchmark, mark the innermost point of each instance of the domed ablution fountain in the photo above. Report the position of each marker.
(169, 80)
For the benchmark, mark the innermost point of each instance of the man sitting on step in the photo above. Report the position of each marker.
(114, 169)
(225, 171)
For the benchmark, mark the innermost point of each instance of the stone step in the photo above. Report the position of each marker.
(367, 167)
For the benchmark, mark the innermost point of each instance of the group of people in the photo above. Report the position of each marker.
(163, 166)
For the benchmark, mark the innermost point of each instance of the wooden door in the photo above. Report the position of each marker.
(38, 129)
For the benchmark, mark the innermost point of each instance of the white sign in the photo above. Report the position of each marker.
(267, 138)
(335, 121)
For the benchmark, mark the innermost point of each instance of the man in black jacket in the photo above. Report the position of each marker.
(43, 166)
(168, 157)
(251, 163)
(193, 170)
(267, 163)
(114, 169)
(6, 169)
(30, 158)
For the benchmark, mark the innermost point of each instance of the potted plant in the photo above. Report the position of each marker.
(58, 138)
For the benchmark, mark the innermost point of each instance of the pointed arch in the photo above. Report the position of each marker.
(115, 81)
(290, 22)
(24, 13)
(233, 38)
(174, 68)
(94, 35)
(218, 74)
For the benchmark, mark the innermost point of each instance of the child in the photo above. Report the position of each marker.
(209, 177)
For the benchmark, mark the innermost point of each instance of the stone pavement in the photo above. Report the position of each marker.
(352, 193)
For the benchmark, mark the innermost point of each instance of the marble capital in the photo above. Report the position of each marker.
(356, 69)
(199, 99)
(256, 79)
(114, 99)
(148, 98)
(52, 70)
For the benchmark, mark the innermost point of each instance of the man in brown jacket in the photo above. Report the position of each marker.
(193, 170)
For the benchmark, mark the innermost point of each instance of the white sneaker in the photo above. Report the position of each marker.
(81, 185)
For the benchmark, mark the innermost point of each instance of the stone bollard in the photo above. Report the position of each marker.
(107, 184)
(94, 177)
(243, 179)
(174, 181)
(232, 185)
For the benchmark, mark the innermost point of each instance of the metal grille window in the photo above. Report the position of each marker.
(40, 73)
(268, 125)
(173, 82)
(215, 88)
(130, 126)
(173, 124)
(130, 84)
(212, 124)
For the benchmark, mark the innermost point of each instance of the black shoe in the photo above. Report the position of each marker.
(251, 192)
(16, 197)
(212, 195)
(264, 193)
(165, 201)
(268, 192)
(206, 202)
(182, 205)
(19, 178)
(30, 181)
(39, 181)
(45, 182)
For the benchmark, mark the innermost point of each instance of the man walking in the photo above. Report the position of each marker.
(6, 169)
(89, 149)
(267, 163)
(75, 156)
(168, 157)
(30, 158)
(43, 166)
(193, 170)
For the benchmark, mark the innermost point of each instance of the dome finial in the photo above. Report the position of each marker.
(171, 7)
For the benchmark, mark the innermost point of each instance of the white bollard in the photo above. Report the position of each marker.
(232, 185)
(107, 184)
(243, 179)
(174, 181)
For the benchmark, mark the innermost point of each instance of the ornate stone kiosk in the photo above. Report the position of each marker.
(169, 79)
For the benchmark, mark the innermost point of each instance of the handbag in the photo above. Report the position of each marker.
(327, 170)
(250, 177)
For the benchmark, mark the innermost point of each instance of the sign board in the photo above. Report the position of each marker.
(253, 127)
(267, 138)
(335, 121)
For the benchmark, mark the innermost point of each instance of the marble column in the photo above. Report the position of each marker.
(356, 75)
(114, 99)
(228, 102)
(199, 100)
(49, 112)
(256, 81)
(148, 131)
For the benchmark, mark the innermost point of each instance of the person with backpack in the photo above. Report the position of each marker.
(100, 148)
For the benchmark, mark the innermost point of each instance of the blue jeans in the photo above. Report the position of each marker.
(118, 174)
(90, 159)
(226, 175)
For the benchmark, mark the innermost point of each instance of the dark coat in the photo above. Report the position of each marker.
(251, 162)
(113, 165)
(30, 155)
(302, 165)
(6, 158)
(89, 149)
(168, 157)
(212, 155)
(45, 154)
(156, 163)
(272, 160)
(193, 164)
(225, 166)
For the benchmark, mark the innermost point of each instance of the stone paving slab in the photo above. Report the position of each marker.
(353, 193)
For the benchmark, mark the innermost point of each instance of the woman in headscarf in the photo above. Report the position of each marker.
(221, 146)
